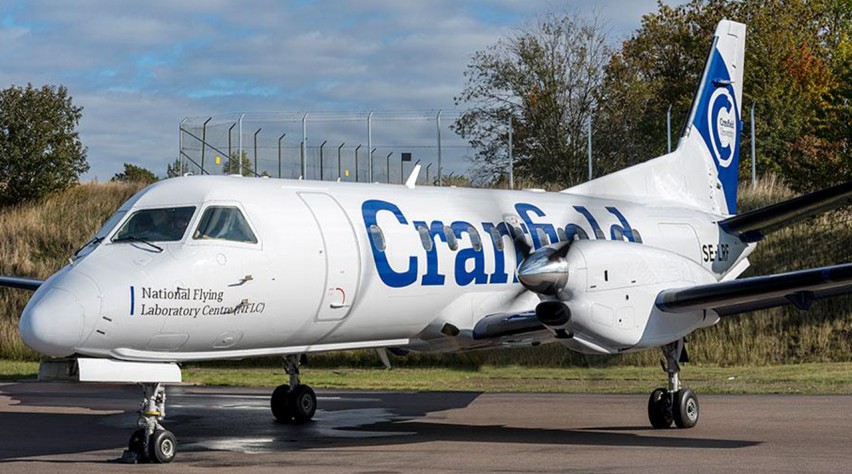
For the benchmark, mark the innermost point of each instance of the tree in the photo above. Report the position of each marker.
(135, 174)
(176, 169)
(40, 149)
(234, 166)
(797, 52)
(544, 79)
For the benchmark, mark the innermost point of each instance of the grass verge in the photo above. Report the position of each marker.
(824, 378)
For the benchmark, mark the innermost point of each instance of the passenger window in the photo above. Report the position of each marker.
(224, 223)
(542, 237)
(576, 233)
(425, 238)
(451, 238)
(496, 238)
(378, 237)
(156, 225)
(474, 238)
(560, 232)
(617, 234)
(636, 237)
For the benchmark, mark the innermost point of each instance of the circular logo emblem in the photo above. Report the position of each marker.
(722, 124)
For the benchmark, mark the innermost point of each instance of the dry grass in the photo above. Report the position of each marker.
(35, 240)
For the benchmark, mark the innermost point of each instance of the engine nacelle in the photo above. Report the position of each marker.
(611, 289)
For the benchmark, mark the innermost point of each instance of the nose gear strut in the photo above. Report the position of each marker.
(151, 442)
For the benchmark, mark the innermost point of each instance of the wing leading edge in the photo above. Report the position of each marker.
(20, 283)
(799, 288)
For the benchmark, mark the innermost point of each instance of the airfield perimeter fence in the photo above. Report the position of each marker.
(356, 147)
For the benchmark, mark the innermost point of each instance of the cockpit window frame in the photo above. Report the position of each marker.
(130, 213)
(190, 240)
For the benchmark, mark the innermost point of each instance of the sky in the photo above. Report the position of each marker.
(139, 68)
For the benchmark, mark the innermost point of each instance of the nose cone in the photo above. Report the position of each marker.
(52, 323)
(545, 271)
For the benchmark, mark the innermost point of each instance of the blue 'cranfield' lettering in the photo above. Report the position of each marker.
(469, 267)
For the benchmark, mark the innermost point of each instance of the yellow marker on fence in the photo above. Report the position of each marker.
(218, 160)
(346, 173)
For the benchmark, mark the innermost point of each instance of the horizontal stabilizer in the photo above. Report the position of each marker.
(753, 226)
(20, 283)
(799, 288)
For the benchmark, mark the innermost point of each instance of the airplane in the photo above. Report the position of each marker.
(201, 268)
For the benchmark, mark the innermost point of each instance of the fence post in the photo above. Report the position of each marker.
(180, 146)
(440, 169)
(511, 158)
(230, 153)
(356, 161)
(370, 144)
(240, 145)
(669, 126)
(255, 152)
(304, 146)
(279, 153)
(204, 142)
(339, 172)
(428, 183)
(590, 147)
(371, 160)
(753, 155)
(321, 160)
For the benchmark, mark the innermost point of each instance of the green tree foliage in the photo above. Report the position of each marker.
(135, 174)
(796, 72)
(40, 150)
(235, 166)
(544, 79)
(176, 169)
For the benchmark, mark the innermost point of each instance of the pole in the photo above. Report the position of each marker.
(230, 153)
(339, 175)
(240, 145)
(753, 155)
(356, 162)
(255, 152)
(590, 147)
(180, 146)
(387, 166)
(511, 158)
(321, 173)
(204, 142)
(371, 161)
(427, 173)
(279, 153)
(669, 126)
(370, 143)
(440, 169)
(304, 146)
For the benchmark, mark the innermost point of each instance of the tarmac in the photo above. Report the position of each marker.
(49, 428)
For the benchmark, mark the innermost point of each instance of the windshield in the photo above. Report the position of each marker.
(157, 225)
(224, 223)
(108, 226)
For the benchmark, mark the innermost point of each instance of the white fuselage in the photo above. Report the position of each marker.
(317, 279)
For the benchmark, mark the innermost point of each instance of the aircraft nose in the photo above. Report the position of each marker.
(53, 322)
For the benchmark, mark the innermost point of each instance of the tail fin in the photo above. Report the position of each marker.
(716, 109)
(703, 170)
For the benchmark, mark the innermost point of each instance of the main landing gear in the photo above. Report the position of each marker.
(294, 403)
(151, 442)
(676, 404)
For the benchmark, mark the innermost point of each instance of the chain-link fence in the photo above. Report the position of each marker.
(364, 147)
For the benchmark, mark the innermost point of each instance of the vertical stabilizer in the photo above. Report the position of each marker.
(715, 118)
(703, 171)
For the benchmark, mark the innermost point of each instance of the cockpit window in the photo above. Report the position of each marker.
(167, 224)
(224, 223)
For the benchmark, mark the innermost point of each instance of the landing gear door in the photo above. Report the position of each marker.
(342, 258)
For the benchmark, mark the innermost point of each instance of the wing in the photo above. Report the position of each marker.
(753, 226)
(799, 288)
(20, 283)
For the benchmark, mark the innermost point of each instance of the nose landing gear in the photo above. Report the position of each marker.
(151, 442)
(294, 403)
(676, 404)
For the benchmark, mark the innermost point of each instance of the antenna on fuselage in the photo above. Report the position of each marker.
(412, 178)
